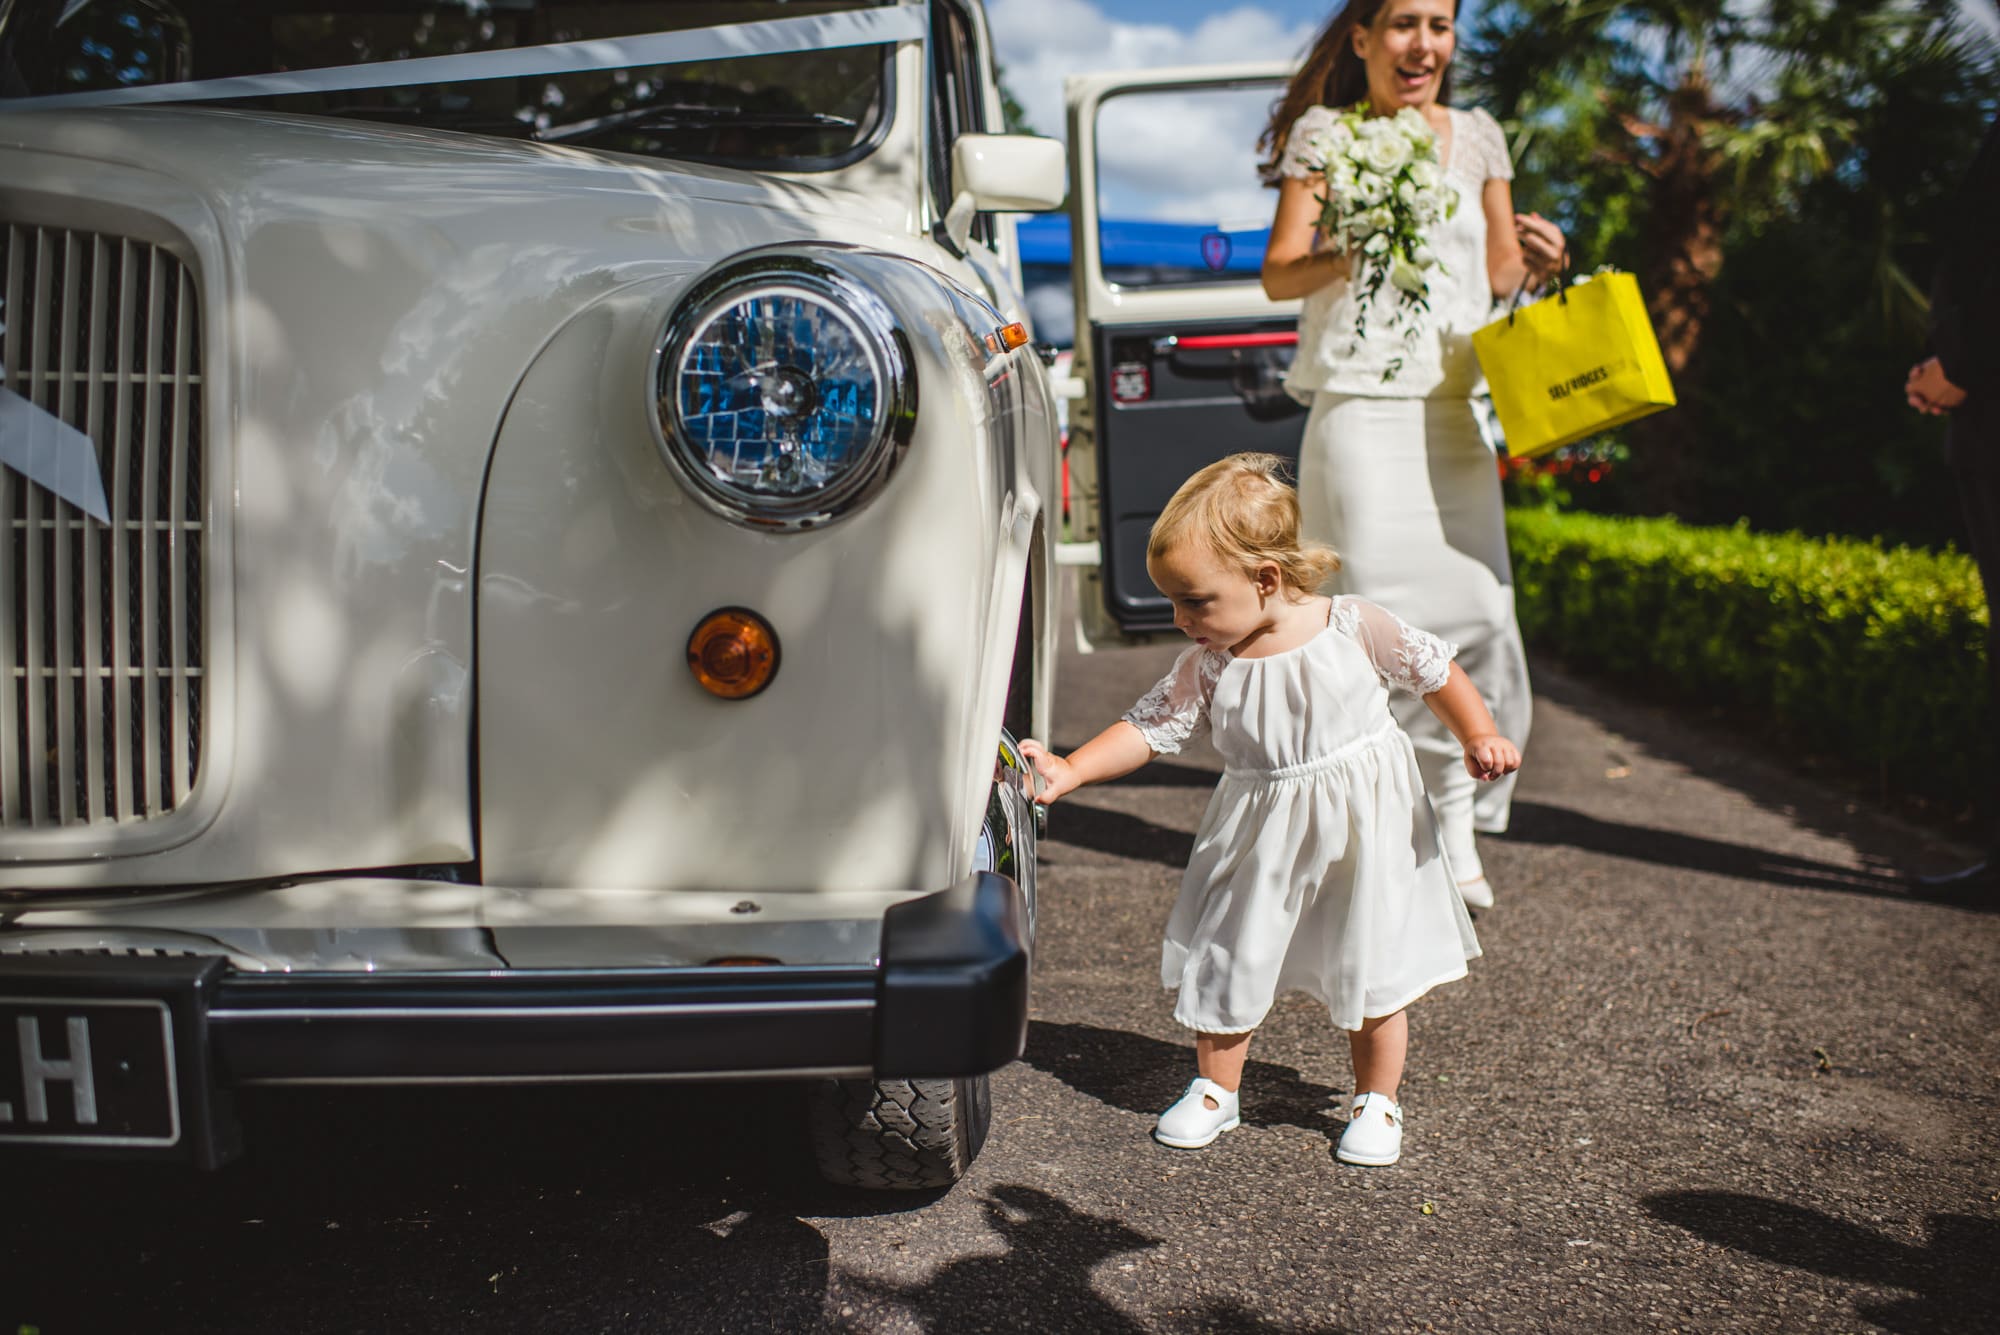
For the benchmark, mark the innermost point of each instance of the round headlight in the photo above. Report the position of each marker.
(784, 393)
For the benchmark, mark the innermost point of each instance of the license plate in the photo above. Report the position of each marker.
(88, 1071)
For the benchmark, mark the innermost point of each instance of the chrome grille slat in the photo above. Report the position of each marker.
(34, 576)
(118, 494)
(64, 605)
(94, 662)
(180, 753)
(101, 644)
(148, 753)
(11, 695)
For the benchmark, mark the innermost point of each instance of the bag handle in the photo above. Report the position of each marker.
(1562, 288)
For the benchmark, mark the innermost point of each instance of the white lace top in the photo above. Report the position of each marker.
(1177, 709)
(1441, 364)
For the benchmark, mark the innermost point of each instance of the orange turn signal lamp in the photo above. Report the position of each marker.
(1007, 338)
(733, 653)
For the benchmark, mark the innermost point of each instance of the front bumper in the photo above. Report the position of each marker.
(946, 996)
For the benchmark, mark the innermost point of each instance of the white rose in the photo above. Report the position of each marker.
(1375, 244)
(1381, 220)
(1406, 275)
(1369, 189)
(1425, 175)
(1409, 194)
(1384, 153)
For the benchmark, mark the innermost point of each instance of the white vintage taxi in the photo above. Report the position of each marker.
(524, 523)
(522, 526)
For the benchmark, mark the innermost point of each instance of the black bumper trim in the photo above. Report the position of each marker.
(954, 981)
(948, 997)
(526, 1025)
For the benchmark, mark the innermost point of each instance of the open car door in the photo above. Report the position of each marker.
(1180, 354)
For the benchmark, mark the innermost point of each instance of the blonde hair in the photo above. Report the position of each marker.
(1244, 510)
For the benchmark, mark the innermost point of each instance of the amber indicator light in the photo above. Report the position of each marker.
(733, 653)
(1013, 335)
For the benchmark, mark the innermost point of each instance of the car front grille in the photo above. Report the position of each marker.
(101, 636)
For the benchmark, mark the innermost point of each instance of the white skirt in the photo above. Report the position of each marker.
(1409, 495)
(1325, 878)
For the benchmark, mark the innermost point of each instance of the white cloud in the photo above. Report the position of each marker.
(1164, 156)
(1042, 41)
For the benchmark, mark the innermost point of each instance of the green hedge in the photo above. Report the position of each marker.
(1875, 654)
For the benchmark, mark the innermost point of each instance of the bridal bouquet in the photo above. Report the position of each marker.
(1385, 189)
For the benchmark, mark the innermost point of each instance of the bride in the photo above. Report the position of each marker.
(1393, 471)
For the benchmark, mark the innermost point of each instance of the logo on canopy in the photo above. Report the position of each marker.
(1215, 251)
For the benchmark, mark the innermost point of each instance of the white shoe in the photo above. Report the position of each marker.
(1477, 892)
(1191, 1123)
(1374, 1134)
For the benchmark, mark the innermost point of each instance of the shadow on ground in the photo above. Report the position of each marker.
(1145, 1075)
(1119, 834)
(1954, 1279)
(1043, 1278)
(413, 1210)
(1679, 734)
(1539, 823)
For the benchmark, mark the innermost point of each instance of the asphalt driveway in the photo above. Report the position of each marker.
(1716, 1071)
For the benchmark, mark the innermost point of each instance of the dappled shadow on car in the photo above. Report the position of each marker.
(1145, 1075)
(584, 1208)
(1044, 1278)
(1955, 1283)
(1539, 823)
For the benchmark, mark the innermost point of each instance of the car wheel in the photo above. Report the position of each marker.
(898, 1135)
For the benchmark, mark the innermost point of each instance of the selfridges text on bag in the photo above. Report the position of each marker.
(1578, 361)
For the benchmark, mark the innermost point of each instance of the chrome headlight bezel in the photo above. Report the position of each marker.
(854, 304)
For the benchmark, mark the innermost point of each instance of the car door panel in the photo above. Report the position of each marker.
(1181, 354)
(1178, 396)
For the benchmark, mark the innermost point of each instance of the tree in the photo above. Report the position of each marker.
(1665, 132)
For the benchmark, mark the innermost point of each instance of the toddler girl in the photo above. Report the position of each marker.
(1317, 866)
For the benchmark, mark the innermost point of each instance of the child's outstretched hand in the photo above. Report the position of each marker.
(1058, 776)
(1491, 756)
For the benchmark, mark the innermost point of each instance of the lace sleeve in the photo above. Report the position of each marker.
(1405, 658)
(1487, 147)
(1295, 160)
(1175, 711)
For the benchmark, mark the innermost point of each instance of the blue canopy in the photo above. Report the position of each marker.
(1136, 243)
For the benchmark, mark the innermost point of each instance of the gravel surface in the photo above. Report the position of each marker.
(1716, 1071)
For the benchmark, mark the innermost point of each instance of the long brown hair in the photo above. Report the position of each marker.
(1330, 76)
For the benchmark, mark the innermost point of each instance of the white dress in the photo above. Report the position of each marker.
(1317, 866)
(1397, 477)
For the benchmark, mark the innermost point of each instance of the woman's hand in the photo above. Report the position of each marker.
(1490, 756)
(1543, 248)
(1928, 391)
(1058, 775)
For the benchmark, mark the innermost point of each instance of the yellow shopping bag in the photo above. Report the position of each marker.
(1572, 364)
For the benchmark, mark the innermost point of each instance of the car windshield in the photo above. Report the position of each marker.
(804, 111)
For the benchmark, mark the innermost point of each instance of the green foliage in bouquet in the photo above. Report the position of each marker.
(1875, 654)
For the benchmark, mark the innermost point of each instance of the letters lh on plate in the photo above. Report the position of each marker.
(88, 1072)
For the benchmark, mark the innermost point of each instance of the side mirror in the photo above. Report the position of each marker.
(1003, 173)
